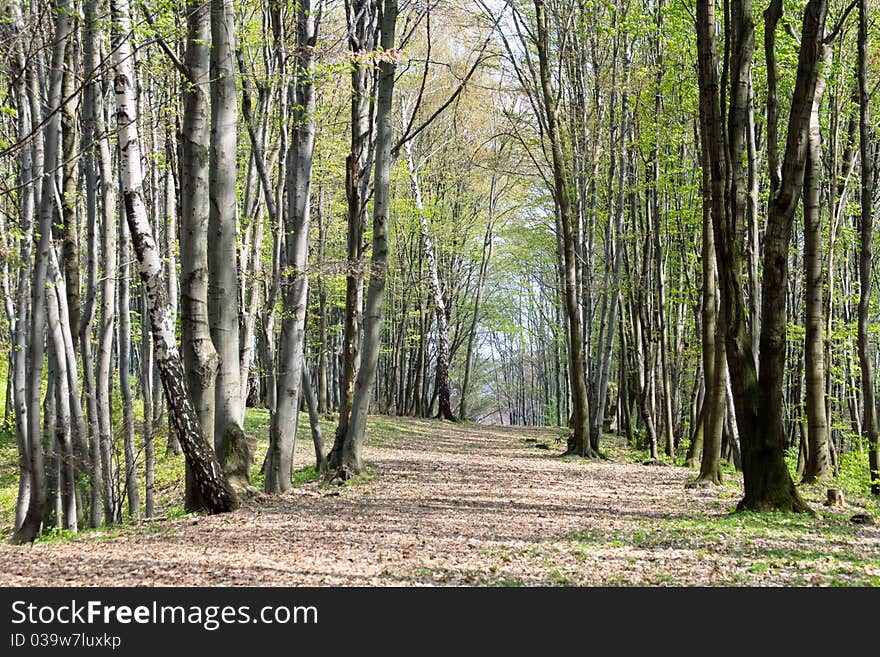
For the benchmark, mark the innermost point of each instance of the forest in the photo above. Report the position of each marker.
(247, 245)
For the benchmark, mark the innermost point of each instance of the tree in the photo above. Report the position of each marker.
(32, 519)
(223, 293)
(866, 226)
(200, 358)
(362, 34)
(208, 477)
(282, 436)
(580, 441)
(768, 484)
(714, 206)
(818, 462)
(350, 457)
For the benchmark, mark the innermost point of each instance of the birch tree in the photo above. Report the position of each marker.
(211, 483)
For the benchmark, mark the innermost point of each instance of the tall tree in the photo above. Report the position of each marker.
(212, 485)
(768, 484)
(32, 521)
(444, 409)
(362, 29)
(282, 433)
(349, 459)
(223, 293)
(866, 229)
(124, 336)
(714, 206)
(199, 356)
(580, 441)
(91, 119)
(818, 462)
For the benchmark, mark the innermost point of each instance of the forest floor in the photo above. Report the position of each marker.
(461, 504)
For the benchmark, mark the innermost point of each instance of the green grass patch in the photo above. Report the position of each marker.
(759, 542)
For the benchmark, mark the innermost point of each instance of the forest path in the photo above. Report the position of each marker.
(461, 505)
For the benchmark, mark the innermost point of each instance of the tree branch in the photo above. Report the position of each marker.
(175, 60)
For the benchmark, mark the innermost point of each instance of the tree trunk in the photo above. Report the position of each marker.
(444, 410)
(29, 528)
(223, 291)
(866, 229)
(351, 458)
(63, 426)
(199, 356)
(361, 16)
(208, 476)
(70, 176)
(314, 420)
(579, 443)
(131, 480)
(818, 463)
(714, 207)
(172, 257)
(768, 484)
(19, 349)
(146, 376)
(90, 146)
(30, 525)
(282, 432)
(103, 376)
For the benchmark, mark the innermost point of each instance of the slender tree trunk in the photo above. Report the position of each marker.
(323, 345)
(70, 176)
(76, 429)
(442, 372)
(351, 459)
(90, 146)
(282, 432)
(104, 381)
(30, 525)
(314, 420)
(361, 17)
(146, 375)
(579, 443)
(124, 337)
(63, 426)
(53, 512)
(818, 463)
(714, 208)
(20, 323)
(866, 229)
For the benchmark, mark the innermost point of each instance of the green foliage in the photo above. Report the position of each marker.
(304, 475)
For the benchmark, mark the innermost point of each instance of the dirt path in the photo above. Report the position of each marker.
(464, 505)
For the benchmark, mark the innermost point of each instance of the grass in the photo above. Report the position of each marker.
(758, 543)
(169, 467)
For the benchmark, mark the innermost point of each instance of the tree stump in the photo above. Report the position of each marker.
(835, 497)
